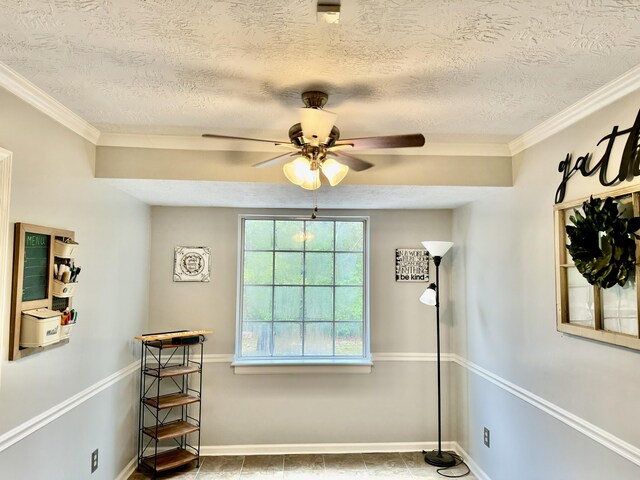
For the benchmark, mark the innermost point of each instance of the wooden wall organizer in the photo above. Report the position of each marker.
(596, 328)
(32, 289)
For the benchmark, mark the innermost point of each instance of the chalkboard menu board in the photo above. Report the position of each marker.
(33, 268)
(36, 266)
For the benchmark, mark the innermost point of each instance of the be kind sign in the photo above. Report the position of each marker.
(412, 265)
(629, 162)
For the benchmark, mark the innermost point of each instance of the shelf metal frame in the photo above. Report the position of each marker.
(152, 417)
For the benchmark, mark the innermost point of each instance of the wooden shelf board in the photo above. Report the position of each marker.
(25, 352)
(169, 336)
(168, 460)
(173, 371)
(171, 400)
(171, 430)
(172, 345)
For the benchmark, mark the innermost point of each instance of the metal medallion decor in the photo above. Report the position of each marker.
(412, 265)
(192, 264)
(629, 162)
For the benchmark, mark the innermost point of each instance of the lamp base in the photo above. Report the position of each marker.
(439, 459)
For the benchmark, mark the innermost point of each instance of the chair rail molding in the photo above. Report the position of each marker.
(25, 429)
(376, 357)
(604, 438)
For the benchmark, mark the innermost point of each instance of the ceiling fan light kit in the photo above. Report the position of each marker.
(301, 172)
(306, 174)
(316, 125)
(328, 13)
(334, 171)
(317, 141)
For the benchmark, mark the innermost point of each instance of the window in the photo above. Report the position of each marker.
(302, 290)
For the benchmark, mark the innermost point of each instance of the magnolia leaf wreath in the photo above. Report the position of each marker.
(603, 244)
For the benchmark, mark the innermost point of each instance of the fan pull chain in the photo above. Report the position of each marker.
(314, 214)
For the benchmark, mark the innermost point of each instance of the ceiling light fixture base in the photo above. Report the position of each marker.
(315, 99)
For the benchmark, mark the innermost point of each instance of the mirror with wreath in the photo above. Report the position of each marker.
(597, 254)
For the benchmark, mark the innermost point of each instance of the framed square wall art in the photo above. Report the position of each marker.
(412, 265)
(192, 264)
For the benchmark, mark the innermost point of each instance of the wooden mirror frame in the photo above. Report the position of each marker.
(563, 262)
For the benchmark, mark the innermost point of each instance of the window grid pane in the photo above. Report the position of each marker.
(317, 332)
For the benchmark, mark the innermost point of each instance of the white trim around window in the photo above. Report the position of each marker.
(5, 196)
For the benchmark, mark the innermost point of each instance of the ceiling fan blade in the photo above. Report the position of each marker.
(334, 148)
(227, 137)
(354, 163)
(391, 141)
(276, 160)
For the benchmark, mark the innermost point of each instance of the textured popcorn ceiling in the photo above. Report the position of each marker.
(489, 69)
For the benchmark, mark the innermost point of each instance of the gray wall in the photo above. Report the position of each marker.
(112, 301)
(504, 317)
(395, 403)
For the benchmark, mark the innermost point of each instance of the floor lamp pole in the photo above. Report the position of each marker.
(439, 458)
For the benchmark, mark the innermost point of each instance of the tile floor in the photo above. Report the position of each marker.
(387, 466)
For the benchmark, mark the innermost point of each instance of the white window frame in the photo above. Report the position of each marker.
(320, 364)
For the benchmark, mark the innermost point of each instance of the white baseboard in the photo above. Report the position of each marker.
(475, 468)
(321, 448)
(128, 469)
(324, 448)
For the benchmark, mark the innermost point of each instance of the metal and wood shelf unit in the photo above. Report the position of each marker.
(168, 397)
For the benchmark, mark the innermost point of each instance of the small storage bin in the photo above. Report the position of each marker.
(63, 290)
(65, 330)
(65, 249)
(39, 327)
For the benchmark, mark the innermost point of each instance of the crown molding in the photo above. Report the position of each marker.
(34, 96)
(466, 149)
(193, 142)
(603, 96)
(28, 92)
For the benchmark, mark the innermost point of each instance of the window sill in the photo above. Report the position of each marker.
(278, 367)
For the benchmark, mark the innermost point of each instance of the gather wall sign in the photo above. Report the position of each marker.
(629, 164)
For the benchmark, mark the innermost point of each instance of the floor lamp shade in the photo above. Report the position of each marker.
(429, 296)
(437, 249)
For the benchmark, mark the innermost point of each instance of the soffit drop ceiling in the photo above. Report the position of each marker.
(487, 70)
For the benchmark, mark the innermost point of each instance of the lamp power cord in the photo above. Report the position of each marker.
(459, 461)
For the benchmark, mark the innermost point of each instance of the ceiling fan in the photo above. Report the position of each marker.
(317, 146)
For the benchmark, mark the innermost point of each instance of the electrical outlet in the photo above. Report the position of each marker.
(94, 460)
(487, 437)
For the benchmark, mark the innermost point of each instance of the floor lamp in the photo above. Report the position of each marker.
(431, 296)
